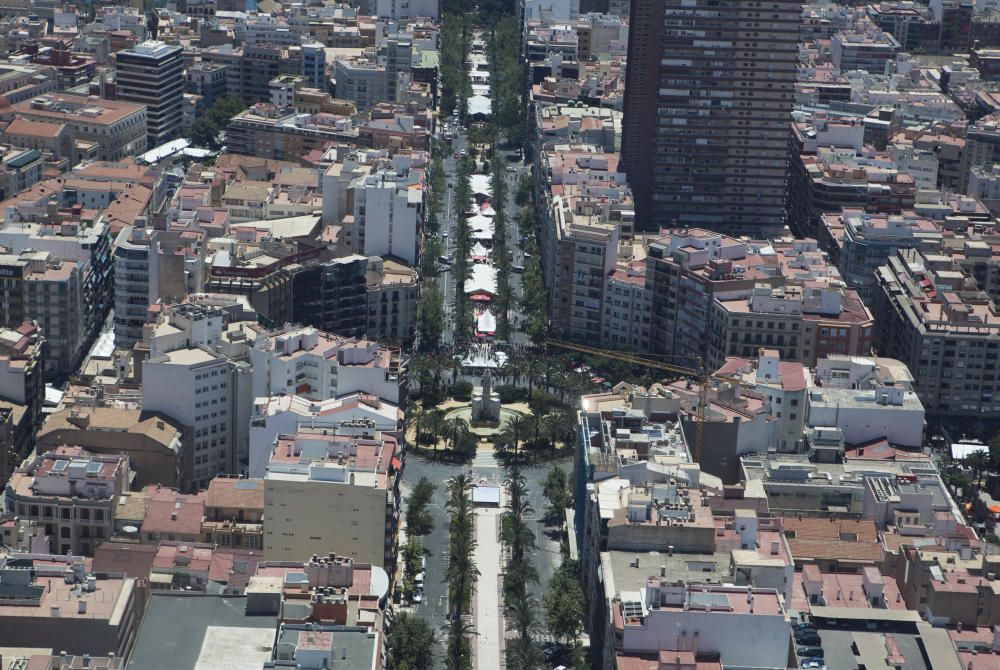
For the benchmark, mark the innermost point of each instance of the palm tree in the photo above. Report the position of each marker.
(522, 616)
(458, 651)
(457, 432)
(977, 460)
(531, 371)
(461, 572)
(513, 432)
(412, 418)
(524, 654)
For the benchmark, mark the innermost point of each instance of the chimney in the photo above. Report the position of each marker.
(343, 652)
(663, 571)
(82, 606)
(775, 544)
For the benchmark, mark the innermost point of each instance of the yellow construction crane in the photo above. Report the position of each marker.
(701, 374)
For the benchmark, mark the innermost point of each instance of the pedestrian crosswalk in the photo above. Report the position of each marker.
(485, 459)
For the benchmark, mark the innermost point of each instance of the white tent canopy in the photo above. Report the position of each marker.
(483, 279)
(486, 323)
(480, 105)
(480, 184)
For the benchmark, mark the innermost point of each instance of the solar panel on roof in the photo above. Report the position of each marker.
(631, 609)
(712, 600)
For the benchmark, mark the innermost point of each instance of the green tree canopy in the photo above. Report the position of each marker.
(409, 644)
(564, 602)
(430, 315)
(418, 519)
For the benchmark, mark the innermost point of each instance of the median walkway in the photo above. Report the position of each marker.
(488, 641)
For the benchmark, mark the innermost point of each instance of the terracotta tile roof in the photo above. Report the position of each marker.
(22, 126)
(822, 538)
(173, 512)
(230, 493)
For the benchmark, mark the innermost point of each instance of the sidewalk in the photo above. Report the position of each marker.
(489, 610)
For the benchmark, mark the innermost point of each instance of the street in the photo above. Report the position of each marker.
(447, 233)
(546, 557)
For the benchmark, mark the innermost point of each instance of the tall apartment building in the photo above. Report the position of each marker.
(835, 178)
(388, 212)
(627, 307)
(685, 272)
(73, 239)
(207, 80)
(361, 80)
(250, 69)
(392, 293)
(314, 64)
(330, 296)
(982, 147)
(198, 376)
(866, 241)
(585, 252)
(35, 285)
(72, 493)
(332, 493)
(709, 88)
(151, 73)
(151, 265)
(936, 319)
(863, 47)
(22, 392)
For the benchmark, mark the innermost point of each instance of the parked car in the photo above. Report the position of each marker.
(804, 626)
(808, 638)
(810, 652)
(418, 596)
(814, 664)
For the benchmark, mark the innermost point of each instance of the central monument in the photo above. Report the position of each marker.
(486, 402)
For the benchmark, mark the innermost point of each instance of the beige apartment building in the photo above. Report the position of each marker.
(234, 513)
(332, 493)
(583, 246)
(803, 323)
(154, 445)
(934, 317)
(117, 128)
(72, 493)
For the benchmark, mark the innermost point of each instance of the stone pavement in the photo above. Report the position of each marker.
(489, 624)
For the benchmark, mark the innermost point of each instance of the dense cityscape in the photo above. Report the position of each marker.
(499, 335)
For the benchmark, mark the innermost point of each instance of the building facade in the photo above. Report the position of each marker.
(151, 73)
(706, 120)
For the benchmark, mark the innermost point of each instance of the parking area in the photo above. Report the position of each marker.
(850, 644)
